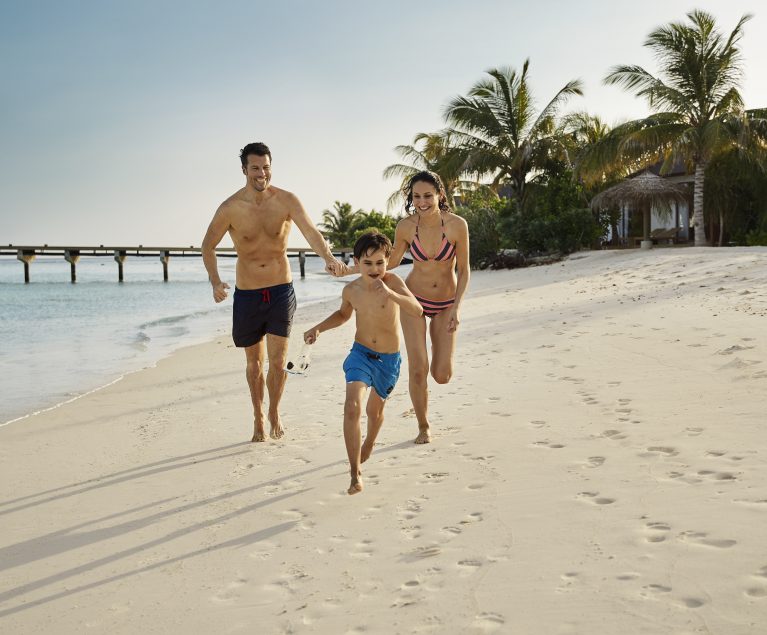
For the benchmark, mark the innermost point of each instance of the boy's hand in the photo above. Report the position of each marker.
(379, 286)
(310, 337)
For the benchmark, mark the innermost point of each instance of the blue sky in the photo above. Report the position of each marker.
(121, 122)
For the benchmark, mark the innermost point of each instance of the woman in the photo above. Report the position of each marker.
(438, 242)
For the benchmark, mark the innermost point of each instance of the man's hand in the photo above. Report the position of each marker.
(219, 291)
(310, 337)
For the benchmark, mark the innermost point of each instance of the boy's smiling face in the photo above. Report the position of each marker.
(373, 264)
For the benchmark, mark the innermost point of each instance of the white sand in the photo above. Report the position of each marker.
(599, 466)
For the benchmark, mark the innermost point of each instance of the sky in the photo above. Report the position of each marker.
(121, 122)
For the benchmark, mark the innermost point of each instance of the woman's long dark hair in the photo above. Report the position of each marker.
(426, 177)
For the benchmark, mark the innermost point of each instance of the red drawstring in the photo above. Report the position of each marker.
(265, 296)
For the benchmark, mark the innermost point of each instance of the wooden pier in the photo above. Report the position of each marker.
(27, 253)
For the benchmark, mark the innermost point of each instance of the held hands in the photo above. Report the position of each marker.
(219, 291)
(336, 268)
(310, 337)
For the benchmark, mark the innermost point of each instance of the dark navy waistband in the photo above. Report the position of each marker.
(285, 286)
(374, 354)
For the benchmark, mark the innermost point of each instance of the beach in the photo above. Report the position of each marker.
(599, 465)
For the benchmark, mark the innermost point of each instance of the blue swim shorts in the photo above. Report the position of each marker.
(379, 370)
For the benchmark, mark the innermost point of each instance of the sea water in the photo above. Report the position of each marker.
(59, 340)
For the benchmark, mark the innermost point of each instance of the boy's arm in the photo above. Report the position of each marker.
(335, 319)
(399, 293)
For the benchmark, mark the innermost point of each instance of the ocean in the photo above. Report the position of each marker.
(60, 340)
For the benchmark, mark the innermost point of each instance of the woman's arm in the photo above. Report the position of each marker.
(463, 271)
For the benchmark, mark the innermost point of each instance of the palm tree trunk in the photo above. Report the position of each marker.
(721, 226)
(697, 217)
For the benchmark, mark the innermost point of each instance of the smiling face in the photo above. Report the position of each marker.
(372, 265)
(425, 197)
(258, 171)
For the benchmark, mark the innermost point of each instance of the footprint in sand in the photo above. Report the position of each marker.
(692, 603)
(537, 424)
(362, 549)
(595, 498)
(433, 477)
(693, 432)
(718, 476)
(594, 461)
(474, 517)
(656, 532)
(489, 622)
(548, 444)
(420, 553)
(701, 538)
(231, 593)
(613, 434)
(659, 450)
(411, 532)
(657, 588)
(451, 532)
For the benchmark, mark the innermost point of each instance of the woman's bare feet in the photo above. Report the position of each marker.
(365, 451)
(356, 485)
(424, 435)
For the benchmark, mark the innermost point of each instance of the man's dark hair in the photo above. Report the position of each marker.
(258, 148)
(371, 241)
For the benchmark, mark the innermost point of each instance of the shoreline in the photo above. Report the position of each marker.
(598, 465)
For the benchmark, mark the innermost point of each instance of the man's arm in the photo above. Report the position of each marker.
(396, 289)
(216, 230)
(335, 319)
(395, 259)
(311, 233)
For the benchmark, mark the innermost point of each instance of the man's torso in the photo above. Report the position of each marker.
(260, 233)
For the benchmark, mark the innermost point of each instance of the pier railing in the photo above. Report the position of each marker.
(27, 253)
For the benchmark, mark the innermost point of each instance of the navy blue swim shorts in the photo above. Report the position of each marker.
(257, 312)
(380, 370)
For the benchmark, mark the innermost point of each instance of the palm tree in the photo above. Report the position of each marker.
(340, 225)
(498, 126)
(435, 152)
(697, 112)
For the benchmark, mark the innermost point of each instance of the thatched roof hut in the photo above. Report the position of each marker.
(641, 192)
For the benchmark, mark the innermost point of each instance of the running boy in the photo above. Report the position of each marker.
(374, 360)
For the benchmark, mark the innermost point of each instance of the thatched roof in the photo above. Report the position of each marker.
(645, 189)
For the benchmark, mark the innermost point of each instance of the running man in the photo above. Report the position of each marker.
(258, 218)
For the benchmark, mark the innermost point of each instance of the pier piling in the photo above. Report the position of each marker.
(72, 256)
(26, 256)
(164, 257)
(120, 256)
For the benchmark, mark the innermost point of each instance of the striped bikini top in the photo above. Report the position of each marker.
(445, 252)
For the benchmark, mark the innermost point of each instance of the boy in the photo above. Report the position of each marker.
(374, 360)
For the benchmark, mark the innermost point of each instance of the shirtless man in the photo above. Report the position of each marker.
(374, 360)
(258, 218)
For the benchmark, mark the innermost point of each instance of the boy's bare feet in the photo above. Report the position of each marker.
(356, 485)
(365, 451)
(424, 435)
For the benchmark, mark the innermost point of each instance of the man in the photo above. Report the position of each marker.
(258, 218)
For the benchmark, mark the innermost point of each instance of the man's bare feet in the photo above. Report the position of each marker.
(259, 436)
(365, 451)
(277, 431)
(424, 435)
(356, 485)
